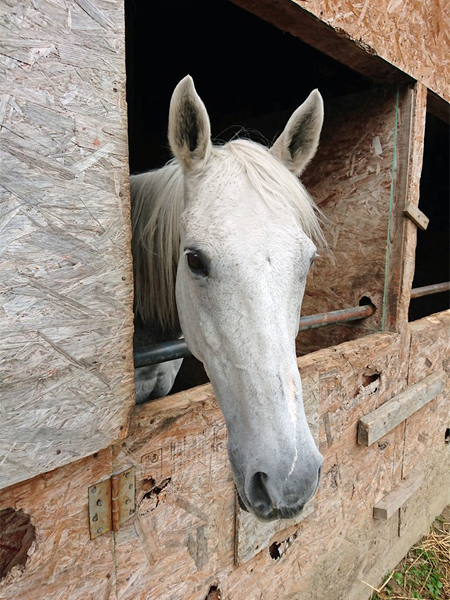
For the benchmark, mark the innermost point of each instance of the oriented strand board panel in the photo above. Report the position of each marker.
(63, 562)
(351, 180)
(430, 353)
(66, 379)
(181, 541)
(371, 37)
(411, 35)
(376, 424)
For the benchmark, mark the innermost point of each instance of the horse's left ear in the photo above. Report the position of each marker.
(189, 128)
(298, 143)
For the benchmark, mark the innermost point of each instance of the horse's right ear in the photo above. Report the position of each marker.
(189, 128)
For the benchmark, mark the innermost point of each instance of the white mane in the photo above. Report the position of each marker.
(157, 203)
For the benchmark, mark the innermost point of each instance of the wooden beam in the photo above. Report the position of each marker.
(335, 42)
(397, 498)
(376, 424)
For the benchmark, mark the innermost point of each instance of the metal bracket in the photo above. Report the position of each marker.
(111, 502)
(100, 515)
(123, 497)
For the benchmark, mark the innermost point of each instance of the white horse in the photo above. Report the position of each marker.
(222, 244)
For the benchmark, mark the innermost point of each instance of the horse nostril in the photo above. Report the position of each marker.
(258, 495)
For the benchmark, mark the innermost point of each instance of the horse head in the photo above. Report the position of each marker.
(245, 253)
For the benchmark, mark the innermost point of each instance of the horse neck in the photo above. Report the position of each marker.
(157, 202)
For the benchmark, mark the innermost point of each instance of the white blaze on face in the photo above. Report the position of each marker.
(292, 409)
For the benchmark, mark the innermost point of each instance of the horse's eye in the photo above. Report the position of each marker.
(196, 264)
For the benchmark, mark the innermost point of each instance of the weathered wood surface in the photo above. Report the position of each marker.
(63, 561)
(430, 352)
(371, 37)
(66, 381)
(376, 424)
(182, 539)
(402, 281)
(397, 497)
(350, 179)
(417, 216)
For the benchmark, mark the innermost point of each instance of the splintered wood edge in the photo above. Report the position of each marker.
(376, 424)
(397, 498)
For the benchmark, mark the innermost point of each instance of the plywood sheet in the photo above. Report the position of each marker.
(408, 34)
(181, 541)
(373, 38)
(66, 379)
(350, 179)
(430, 354)
(63, 561)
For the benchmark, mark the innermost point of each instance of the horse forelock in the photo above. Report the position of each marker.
(157, 204)
(277, 187)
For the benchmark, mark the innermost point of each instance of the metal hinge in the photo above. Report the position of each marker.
(111, 502)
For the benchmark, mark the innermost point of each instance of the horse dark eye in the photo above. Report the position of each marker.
(196, 264)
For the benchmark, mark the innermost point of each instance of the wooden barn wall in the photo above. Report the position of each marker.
(366, 170)
(66, 384)
(185, 535)
(371, 37)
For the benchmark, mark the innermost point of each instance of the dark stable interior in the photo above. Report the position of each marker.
(249, 74)
(244, 69)
(252, 76)
(433, 247)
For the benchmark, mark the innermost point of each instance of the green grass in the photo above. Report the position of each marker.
(424, 574)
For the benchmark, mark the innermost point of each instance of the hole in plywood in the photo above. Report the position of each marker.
(366, 301)
(214, 593)
(16, 537)
(370, 378)
(447, 436)
(274, 551)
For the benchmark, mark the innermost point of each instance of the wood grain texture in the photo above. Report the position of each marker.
(425, 430)
(410, 35)
(402, 492)
(373, 38)
(350, 179)
(376, 424)
(181, 542)
(63, 562)
(66, 375)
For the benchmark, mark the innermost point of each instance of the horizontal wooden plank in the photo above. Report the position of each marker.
(376, 424)
(397, 498)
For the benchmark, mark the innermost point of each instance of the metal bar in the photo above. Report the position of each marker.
(165, 351)
(158, 353)
(426, 290)
(337, 316)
